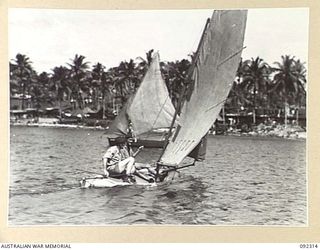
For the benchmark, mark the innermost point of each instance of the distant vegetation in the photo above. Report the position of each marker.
(258, 85)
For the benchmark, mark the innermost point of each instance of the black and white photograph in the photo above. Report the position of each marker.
(158, 117)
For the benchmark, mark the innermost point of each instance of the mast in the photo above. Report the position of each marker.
(194, 62)
(181, 98)
(172, 122)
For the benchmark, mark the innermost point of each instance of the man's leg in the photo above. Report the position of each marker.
(140, 165)
(128, 165)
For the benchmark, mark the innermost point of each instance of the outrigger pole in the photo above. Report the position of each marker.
(178, 110)
(177, 168)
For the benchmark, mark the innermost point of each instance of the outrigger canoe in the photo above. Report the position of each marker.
(211, 75)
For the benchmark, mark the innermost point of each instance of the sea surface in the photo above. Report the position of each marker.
(243, 181)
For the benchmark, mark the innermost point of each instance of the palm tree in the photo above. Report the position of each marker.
(289, 80)
(14, 80)
(78, 70)
(24, 72)
(97, 76)
(176, 76)
(255, 78)
(37, 95)
(108, 89)
(300, 72)
(44, 82)
(126, 79)
(102, 82)
(238, 96)
(60, 78)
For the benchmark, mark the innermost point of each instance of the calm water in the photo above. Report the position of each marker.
(244, 181)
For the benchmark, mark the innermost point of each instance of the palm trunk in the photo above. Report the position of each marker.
(23, 95)
(285, 113)
(97, 99)
(254, 105)
(103, 105)
(60, 109)
(223, 116)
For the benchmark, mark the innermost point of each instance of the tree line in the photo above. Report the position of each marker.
(258, 85)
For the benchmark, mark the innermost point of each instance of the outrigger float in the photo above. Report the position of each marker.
(211, 76)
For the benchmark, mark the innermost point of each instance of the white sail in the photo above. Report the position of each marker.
(213, 75)
(150, 107)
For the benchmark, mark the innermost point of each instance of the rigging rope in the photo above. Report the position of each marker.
(157, 116)
(216, 104)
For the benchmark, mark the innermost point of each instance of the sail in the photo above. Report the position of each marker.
(120, 125)
(149, 108)
(199, 152)
(213, 74)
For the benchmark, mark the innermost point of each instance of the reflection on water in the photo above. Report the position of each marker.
(244, 181)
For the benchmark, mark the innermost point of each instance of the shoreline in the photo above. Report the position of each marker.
(278, 132)
(273, 131)
(48, 125)
(299, 136)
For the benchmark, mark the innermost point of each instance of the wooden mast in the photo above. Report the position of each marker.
(181, 98)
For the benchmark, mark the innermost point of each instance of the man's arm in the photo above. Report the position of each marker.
(138, 151)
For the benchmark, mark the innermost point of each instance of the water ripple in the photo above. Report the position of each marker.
(244, 181)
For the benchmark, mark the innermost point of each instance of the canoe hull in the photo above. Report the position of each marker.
(109, 182)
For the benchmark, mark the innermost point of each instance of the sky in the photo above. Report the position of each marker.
(52, 37)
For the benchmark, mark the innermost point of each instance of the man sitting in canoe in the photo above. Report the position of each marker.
(119, 159)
